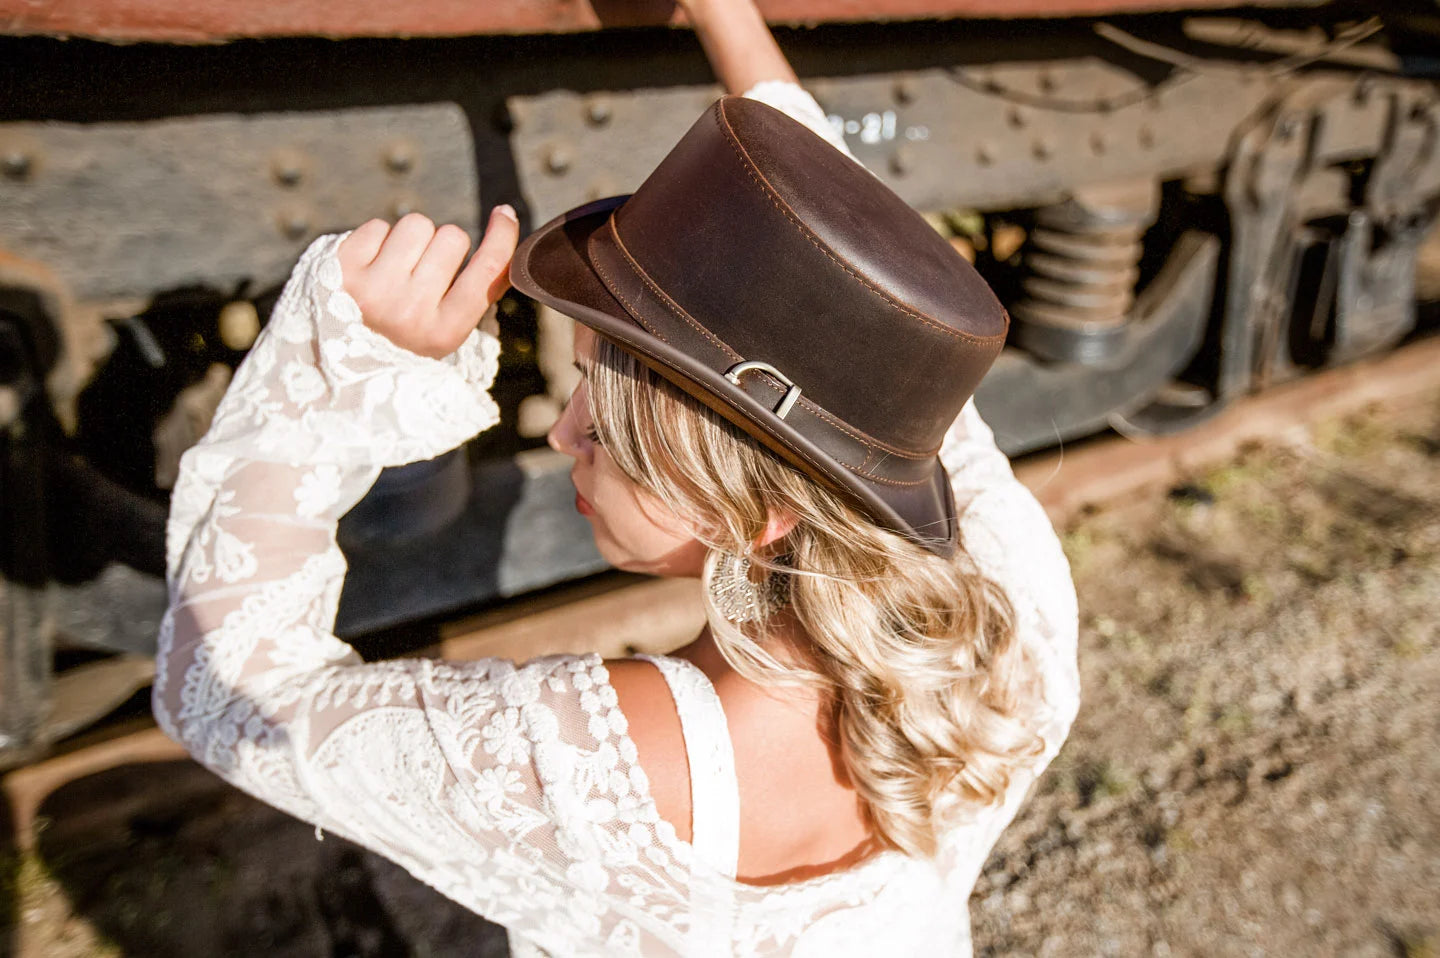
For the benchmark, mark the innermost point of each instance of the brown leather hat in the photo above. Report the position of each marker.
(778, 281)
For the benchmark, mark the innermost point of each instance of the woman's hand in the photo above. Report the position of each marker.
(404, 279)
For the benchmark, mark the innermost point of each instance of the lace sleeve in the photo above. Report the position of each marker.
(1011, 539)
(513, 790)
(796, 102)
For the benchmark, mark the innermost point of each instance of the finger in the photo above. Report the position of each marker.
(485, 278)
(442, 258)
(358, 249)
(404, 246)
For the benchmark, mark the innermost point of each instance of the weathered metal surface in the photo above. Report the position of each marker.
(221, 200)
(518, 532)
(989, 138)
(83, 695)
(27, 622)
(69, 349)
(117, 611)
(1032, 405)
(26, 627)
(199, 21)
(1082, 262)
(1288, 172)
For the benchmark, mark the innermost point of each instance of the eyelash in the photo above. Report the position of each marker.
(592, 435)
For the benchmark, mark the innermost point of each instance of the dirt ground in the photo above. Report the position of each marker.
(1253, 772)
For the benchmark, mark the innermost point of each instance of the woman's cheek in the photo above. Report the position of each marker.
(640, 534)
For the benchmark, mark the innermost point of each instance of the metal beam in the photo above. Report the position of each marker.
(208, 21)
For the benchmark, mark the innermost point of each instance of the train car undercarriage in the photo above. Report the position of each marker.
(1178, 210)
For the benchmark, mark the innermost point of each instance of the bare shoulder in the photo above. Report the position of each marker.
(799, 815)
(644, 697)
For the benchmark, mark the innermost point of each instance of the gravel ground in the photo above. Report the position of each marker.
(1254, 768)
(1252, 771)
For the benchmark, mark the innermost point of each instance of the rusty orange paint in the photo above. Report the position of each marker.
(206, 21)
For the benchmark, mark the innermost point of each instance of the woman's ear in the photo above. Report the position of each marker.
(777, 526)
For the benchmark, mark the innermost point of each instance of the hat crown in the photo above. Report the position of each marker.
(780, 283)
(792, 254)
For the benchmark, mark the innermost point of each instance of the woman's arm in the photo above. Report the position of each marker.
(1004, 529)
(515, 791)
(749, 63)
(320, 405)
(738, 43)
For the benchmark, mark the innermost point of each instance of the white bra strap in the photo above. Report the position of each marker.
(714, 790)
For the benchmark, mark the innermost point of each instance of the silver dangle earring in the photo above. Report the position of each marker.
(738, 598)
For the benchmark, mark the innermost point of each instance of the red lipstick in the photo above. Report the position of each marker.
(583, 507)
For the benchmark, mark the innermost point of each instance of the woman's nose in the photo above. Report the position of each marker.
(566, 435)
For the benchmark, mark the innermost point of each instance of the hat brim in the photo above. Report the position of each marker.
(553, 267)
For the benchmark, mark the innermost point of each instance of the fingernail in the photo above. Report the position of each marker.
(507, 211)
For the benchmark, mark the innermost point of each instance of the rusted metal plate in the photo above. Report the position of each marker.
(990, 137)
(201, 21)
(224, 199)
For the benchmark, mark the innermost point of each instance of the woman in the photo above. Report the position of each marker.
(775, 350)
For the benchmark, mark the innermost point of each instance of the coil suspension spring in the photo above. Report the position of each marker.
(1081, 264)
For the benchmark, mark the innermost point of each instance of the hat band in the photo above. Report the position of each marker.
(662, 317)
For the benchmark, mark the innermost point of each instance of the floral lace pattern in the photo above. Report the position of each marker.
(515, 791)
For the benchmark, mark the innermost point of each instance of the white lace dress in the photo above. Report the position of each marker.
(513, 790)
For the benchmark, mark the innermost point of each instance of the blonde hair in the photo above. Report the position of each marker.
(932, 694)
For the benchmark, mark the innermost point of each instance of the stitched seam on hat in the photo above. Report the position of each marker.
(861, 437)
(819, 465)
(861, 470)
(769, 191)
(892, 482)
(670, 304)
(801, 453)
(634, 314)
(694, 323)
(865, 438)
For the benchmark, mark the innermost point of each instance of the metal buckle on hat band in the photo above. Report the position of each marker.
(792, 391)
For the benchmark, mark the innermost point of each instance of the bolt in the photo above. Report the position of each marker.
(905, 91)
(294, 223)
(9, 406)
(1047, 82)
(985, 154)
(902, 161)
(239, 324)
(400, 158)
(1364, 89)
(1015, 117)
(1041, 149)
(287, 169)
(403, 204)
(598, 111)
(17, 164)
(600, 188)
(513, 114)
(557, 159)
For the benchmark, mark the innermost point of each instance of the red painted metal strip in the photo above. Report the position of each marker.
(203, 21)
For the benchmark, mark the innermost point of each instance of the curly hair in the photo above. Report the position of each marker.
(932, 696)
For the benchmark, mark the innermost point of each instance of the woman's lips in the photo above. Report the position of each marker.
(582, 506)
